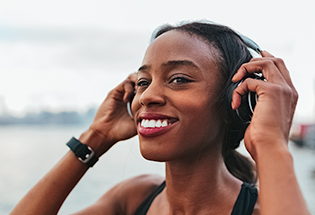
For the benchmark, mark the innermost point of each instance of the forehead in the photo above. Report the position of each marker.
(176, 45)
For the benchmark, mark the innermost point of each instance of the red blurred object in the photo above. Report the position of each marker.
(305, 136)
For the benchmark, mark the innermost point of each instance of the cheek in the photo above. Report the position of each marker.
(135, 105)
(199, 130)
(199, 118)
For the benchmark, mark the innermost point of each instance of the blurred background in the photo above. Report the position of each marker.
(59, 59)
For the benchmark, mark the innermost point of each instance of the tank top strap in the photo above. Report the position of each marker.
(244, 204)
(145, 205)
(246, 200)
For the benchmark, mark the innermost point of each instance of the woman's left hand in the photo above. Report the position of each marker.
(273, 114)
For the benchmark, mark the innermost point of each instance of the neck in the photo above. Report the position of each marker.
(200, 184)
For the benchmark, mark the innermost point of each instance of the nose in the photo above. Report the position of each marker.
(153, 95)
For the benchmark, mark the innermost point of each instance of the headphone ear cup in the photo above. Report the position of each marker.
(229, 93)
(237, 125)
(244, 113)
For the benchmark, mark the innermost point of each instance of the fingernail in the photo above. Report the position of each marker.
(233, 78)
(232, 105)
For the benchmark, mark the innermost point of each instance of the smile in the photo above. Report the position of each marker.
(154, 126)
(154, 123)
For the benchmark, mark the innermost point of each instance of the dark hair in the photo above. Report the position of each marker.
(233, 53)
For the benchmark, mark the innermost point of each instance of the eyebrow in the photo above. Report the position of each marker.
(172, 63)
(144, 67)
(176, 63)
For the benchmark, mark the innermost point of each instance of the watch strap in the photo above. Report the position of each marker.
(82, 151)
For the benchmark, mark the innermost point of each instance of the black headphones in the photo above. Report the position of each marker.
(245, 112)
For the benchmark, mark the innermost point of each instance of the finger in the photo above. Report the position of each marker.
(133, 77)
(266, 54)
(265, 66)
(242, 72)
(243, 89)
(281, 67)
(129, 90)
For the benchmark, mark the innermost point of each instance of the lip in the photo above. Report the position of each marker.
(156, 131)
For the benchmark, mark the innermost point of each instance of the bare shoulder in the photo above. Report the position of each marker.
(137, 189)
(129, 194)
(126, 196)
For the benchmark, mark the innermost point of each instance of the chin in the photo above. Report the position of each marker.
(154, 156)
(158, 154)
(162, 154)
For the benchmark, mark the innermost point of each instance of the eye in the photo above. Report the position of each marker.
(179, 80)
(143, 83)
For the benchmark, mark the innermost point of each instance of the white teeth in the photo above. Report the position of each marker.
(153, 123)
(164, 123)
(145, 123)
(158, 123)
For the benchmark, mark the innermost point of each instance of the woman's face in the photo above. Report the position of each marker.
(174, 106)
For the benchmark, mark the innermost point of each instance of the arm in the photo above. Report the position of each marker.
(267, 136)
(132, 191)
(47, 196)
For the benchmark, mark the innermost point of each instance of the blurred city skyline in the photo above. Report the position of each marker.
(67, 55)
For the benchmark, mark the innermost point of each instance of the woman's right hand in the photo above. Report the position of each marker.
(112, 122)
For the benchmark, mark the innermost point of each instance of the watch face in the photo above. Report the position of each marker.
(82, 151)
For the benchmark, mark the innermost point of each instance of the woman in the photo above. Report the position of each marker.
(181, 115)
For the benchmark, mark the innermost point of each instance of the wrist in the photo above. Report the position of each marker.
(100, 143)
(272, 150)
(83, 152)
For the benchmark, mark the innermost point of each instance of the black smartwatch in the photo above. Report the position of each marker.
(83, 152)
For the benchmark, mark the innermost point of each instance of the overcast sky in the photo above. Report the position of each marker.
(66, 54)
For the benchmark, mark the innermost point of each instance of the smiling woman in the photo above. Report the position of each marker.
(183, 118)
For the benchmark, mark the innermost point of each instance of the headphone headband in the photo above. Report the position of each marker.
(251, 44)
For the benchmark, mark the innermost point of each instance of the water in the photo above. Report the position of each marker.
(304, 164)
(28, 152)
